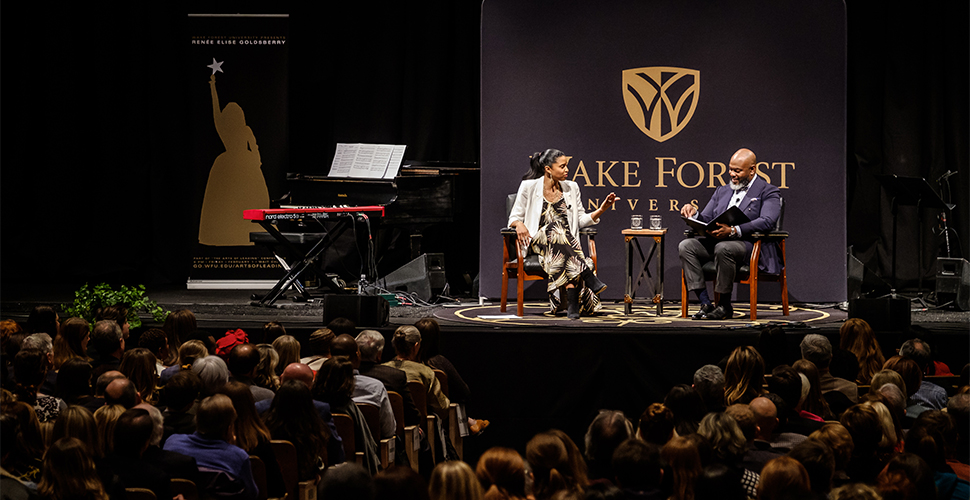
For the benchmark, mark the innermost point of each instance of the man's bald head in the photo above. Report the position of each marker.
(765, 415)
(121, 392)
(298, 371)
(243, 360)
(745, 156)
(104, 379)
(345, 345)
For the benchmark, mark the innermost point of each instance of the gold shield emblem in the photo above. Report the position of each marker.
(661, 100)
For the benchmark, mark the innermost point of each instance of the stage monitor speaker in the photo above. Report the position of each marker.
(953, 282)
(421, 276)
(883, 315)
(364, 310)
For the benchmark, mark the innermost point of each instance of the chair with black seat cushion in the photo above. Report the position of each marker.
(528, 268)
(745, 276)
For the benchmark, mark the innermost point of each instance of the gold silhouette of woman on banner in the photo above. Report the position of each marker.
(236, 182)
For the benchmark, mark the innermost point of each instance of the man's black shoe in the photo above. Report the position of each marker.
(719, 313)
(705, 308)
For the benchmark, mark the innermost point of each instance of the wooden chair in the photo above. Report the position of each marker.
(259, 476)
(409, 433)
(286, 456)
(454, 429)
(185, 488)
(372, 415)
(745, 276)
(442, 381)
(524, 268)
(139, 494)
(420, 396)
(345, 427)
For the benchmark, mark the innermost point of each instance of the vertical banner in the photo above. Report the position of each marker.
(650, 100)
(237, 86)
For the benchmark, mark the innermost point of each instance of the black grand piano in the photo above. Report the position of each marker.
(429, 207)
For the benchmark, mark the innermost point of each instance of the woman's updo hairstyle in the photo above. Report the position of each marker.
(539, 161)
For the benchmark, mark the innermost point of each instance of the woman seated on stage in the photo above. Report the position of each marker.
(547, 216)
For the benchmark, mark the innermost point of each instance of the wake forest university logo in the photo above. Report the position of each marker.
(661, 100)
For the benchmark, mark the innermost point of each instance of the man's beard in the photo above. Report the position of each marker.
(740, 185)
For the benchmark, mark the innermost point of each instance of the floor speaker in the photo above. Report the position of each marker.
(883, 315)
(953, 283)
(421, 276)
(364, 310)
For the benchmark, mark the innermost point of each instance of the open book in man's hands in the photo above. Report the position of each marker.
(731, 217)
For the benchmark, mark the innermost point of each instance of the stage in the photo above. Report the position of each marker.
(538, 372)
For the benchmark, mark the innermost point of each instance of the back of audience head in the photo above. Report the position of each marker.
(121, 391)
(744, 416)
(887, 423)
(918, 351)
(299, 372)
(138, 365)
(340, 326)
(190, 351)
(42, 319)
(932, 438)
(744, 375)
(683, 459)
(454, 480)
(108, 339)
(781, 410)
(154, 340)
(74, 381)
(29, 443)
(213, 373)
(117, 313)
(30, 367)
(838, 439)
(334, 383)
(242, 360)
(69, 472)
(959, 408)
(292, 417)
(765, 416)
(819, 463)
(687, 406)
(133, 432)
(887, 376)
(273, 330)
(726, 439)
(215, 417)
(106, 417)
(813, 403)
(719, 482)
(207, 339)
(844, 365)
(248, 427)
(72, 342)
(345, 345)
(101, 384)
(371, 345)
(817, 349)
(430, 338)
(182, 390)
(638, 465)
(406, 341)
(501, 471)
(857, 337)
(179, 327)
(709, 384)
(556, 464)
(906, 476)
(786, 383)
(656, 424)
(399, 482)
(266, 369)
(782, 477)
(894, 399)
(320, 342)
(158, 423)
(78, 422)
(607, 430)
(347, 482)
(864, 426)
(908, 370)
(855, 491)
(288, 349)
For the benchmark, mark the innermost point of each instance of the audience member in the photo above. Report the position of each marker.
(139, 366)
(342, 326)
(819, 462)
(454, 480)
(856, 491)
(367, 390)
(43, 319)
(179, 327)
(242, 362)
(72, 342)
(320, 341)
(907, 477)
(684, 462)
(25, 459)
(656, 424)
(253, 436)
(266, 376)
(607, 430)
(688, 408)
(887, 376)
(912, 381)
(639, 469)
(106, 417)
(765, 415)
(720, 482)
(12, 487)
(69, 473)
(156, 342)
(890, 438)
(502, 473)
(272, 331)
(108, 341)
(814, 406)
(78, 422)
(407, 345)
(858, 338)
(556, 465)
(101, 384)
(174, 464)
(334, 385)
(348, 482)
(118, 313)
(121, 391)
(224, 468)
(213, 373)
(863, 425)
(30, 370)
(959, 409)
(187, 354)
(132, 435)
(929, 439)
(709, 384)
(744, 376)
(928, 394)
(837, 438)
(429, 354)
(728, 444)
(179, 398)
(371, 346)
(782, 477)
(74, 382)
(288, 349)
(42, 342)
(401, 483)
(757, 452)
(787, 384)
(817, 349)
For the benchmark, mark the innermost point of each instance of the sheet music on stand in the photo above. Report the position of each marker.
(367, 161)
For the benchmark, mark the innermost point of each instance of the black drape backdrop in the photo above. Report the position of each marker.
(94, 145)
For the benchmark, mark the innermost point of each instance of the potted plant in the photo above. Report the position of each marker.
(89, 300)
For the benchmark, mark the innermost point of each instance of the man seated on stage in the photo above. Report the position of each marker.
(729, 247)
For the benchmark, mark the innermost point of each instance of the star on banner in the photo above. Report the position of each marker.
(216, 66)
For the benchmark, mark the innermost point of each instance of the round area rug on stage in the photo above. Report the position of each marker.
(537, 315)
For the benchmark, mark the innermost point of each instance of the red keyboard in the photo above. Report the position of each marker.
(258, 214)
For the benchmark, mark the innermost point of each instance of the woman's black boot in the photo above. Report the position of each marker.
(592, 282)
(573, 296)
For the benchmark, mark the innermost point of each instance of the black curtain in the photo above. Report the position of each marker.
(95, 152)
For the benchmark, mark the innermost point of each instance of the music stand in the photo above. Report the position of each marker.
(911, 191)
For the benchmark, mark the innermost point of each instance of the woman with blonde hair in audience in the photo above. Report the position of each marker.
(454, 480)
(188, 352)
(744, 376)
(106, 417)
(266, 376)
(253, 436)
(838, 439)
(288, 350)
(728, 445)
(139, 366)
(858, 338)
(814, 404)
(684, 462)
(179, 327)
(501, 471)
(887, 376)
(72, 342)
(69, 473)
(782, 477)
(557, 466)
(855, 491)
(78, 422)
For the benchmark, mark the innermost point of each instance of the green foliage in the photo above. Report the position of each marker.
(88, 301)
